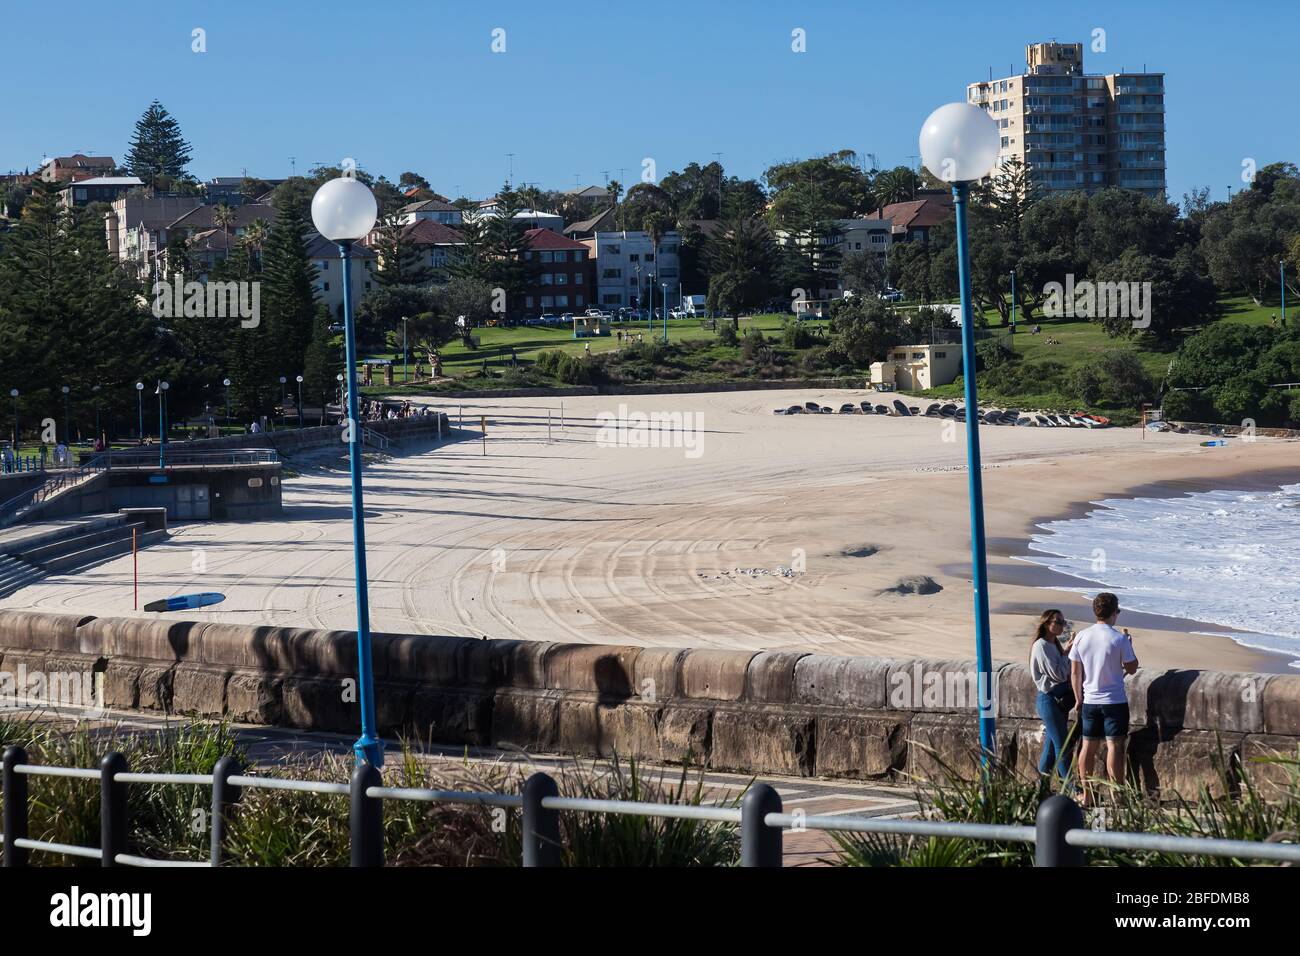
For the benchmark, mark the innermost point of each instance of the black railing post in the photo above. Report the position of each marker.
(112, 808)
(1056, 816)
(541, 825)
(760, 844)
(367, 817)
(15, 811)
(223, 795)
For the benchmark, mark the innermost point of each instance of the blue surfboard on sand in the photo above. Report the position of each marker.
(184, 602)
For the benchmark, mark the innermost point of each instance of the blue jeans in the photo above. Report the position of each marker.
(1056, 724)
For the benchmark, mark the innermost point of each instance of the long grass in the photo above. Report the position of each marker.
(288, 829)
(1231, 809)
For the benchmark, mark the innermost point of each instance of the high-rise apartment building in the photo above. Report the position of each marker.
(1075, 131)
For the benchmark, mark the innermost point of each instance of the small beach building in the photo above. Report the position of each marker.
(915, 367)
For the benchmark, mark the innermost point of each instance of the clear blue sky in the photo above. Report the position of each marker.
(587, 88)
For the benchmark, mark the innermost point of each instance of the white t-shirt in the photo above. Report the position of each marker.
(1103, 652)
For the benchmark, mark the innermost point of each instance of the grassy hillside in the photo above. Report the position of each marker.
(1045, 360)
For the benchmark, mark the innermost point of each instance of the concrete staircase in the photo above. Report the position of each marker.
(72, 546)
(16, 573)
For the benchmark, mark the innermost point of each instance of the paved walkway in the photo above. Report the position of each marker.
(267, 746)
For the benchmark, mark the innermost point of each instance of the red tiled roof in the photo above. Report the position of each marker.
(915, 213)
(428, 232)
(549, 239)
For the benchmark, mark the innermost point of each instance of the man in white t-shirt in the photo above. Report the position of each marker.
(1100, 658)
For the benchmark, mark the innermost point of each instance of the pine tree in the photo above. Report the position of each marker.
(321, 364)
(158, 148)
(504, 245)
(288, 292)
(400, 261)
(69, 315)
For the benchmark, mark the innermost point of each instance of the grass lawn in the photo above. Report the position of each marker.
(496, 344)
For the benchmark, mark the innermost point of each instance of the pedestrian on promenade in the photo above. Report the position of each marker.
(1049, 666)
(1100, 658)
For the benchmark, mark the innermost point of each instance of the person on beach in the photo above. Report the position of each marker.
(1049, 666)
(1100, 658)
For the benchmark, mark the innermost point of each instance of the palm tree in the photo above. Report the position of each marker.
(224, 216)
(615, 189)
(255, 237)
(895, 185)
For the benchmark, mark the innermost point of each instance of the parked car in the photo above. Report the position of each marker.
(549, 319)
(891, 295)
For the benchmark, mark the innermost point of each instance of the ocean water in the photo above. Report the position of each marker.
(1228, 558)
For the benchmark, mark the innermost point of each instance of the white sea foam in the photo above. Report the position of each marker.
(1220, 557)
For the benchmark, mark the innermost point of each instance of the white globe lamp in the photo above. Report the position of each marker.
(344, 209)
(959, 143)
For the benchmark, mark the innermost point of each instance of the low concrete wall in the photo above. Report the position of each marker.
(760, 712)
(289, 441)
(650, 388)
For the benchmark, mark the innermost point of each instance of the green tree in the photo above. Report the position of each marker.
(288, 290)
(157, 148)
(864, 329)
(68, 313)
(742, 259)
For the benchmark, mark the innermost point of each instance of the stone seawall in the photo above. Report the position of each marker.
(750, 712)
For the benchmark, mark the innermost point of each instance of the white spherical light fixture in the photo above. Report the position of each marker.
(344, 209)
(959, 143)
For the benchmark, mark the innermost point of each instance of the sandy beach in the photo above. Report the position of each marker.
(749, 531)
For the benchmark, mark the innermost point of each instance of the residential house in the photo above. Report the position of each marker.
(83, 192)
(433, 210)
(593, 193)
(204, 217)
(434, 243)
(78, 166)
(587, 228)
(325, 256)
(628, 261)
(138, 229)
(563, 275)
(912, 220)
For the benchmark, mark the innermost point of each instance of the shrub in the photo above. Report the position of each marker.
(796, 335)
(753, 345)
(1084, 382)
(727, 333)
(1124, 379)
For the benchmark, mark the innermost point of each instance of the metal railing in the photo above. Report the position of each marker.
(1058, 835)
(179, 455)
(55, 482)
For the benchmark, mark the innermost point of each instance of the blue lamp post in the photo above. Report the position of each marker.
(13, 393)
(959, 144)
(139, 411)
(1281, 266)
(161, 392)
(664, 302)
(97, 426)
(300, 402)
(225, 382)
(344, 211)
(66, 437)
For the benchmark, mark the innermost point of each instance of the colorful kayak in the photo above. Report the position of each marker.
(184, 602)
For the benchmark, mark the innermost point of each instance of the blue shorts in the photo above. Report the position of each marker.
(1104, 720)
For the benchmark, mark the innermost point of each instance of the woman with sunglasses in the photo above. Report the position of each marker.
(1049, 666)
